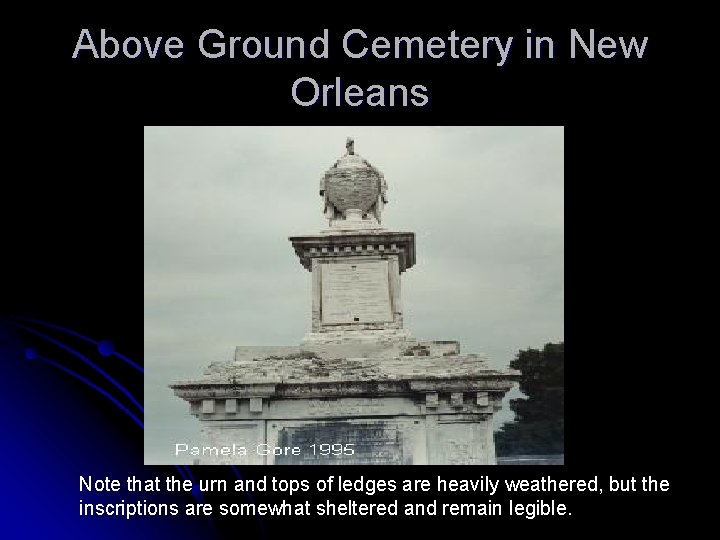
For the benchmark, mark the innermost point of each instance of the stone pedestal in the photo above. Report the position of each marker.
(356, 280)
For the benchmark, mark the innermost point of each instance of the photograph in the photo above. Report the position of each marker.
(350, 295)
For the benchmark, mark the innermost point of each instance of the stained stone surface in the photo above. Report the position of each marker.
(352, 183)
(406, 361)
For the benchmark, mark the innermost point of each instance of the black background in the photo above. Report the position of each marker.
(72, 204)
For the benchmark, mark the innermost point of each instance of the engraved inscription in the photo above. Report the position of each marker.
(356, 293)
(373, 444)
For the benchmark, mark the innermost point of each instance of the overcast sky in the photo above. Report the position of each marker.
(486, 205)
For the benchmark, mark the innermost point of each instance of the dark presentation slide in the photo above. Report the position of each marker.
(356, 234)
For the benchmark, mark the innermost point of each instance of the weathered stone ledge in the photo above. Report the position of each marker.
(305, 368)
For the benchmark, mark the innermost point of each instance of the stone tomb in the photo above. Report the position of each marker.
(358, 388)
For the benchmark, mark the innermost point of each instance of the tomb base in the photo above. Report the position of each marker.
(405, 402)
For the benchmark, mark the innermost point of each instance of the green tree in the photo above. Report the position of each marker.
(539, 425)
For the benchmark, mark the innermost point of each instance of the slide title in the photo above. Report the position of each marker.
(357, 44)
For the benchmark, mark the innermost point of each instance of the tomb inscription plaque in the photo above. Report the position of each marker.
(356, 293)
(375, 443)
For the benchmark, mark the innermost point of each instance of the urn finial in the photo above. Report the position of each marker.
(354, 192)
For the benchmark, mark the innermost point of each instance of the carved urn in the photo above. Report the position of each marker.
(352, 185)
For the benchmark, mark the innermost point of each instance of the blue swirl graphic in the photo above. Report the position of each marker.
(105, 347)
(31, 354)
(84, 359)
